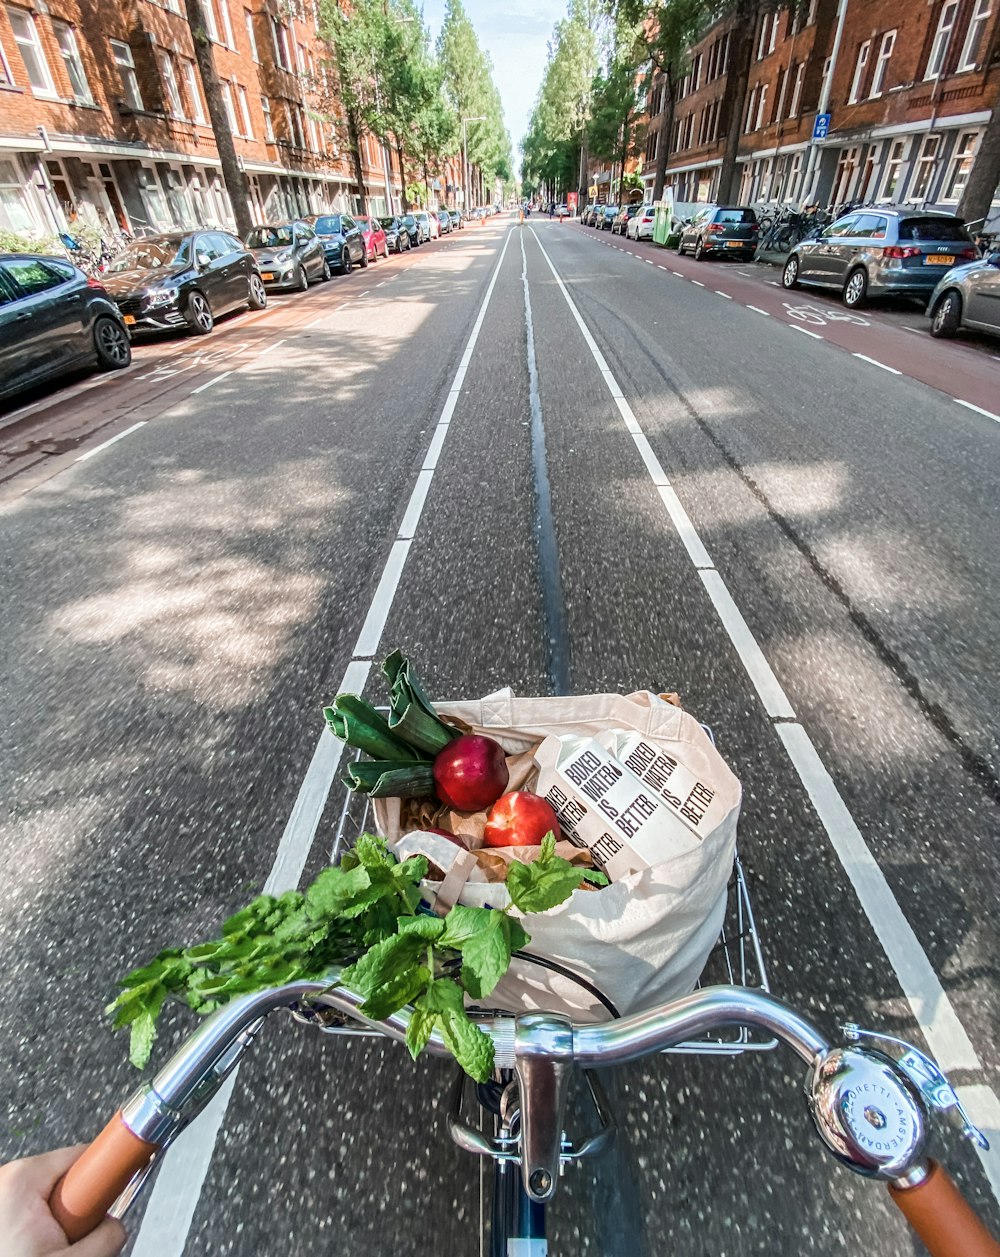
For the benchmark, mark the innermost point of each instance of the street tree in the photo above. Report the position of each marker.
(984, 178)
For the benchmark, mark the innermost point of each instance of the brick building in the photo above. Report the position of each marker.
(911, 87)
(103, 121)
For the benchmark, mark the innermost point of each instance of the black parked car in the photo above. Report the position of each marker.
(730, 230)
(342, 240)
(444, 221)
(289, 254)
(53, 319)
(397, 238)
(412, 229)
(184, 280)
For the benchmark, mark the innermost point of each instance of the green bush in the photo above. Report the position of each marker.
(14, 242)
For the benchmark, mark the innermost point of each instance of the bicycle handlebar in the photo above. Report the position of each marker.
(543, 1049)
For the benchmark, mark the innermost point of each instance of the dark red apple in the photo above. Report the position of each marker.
(470, 773)
(520, 819)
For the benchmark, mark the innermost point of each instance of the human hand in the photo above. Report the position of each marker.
(27, 1224)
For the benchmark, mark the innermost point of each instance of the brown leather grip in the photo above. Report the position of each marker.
(943, 1218)
(91, 1185)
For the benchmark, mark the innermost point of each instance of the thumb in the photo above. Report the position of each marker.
(107, 1240)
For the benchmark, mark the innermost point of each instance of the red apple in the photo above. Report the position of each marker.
(520, 819)
(470, 773)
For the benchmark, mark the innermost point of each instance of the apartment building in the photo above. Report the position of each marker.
(103, 121)
(909, 92)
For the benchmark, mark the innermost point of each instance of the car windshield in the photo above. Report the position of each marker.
(387, 222)
(154, 255)
(736, 216)
(328, 225)
(932, 229)
(270, 237)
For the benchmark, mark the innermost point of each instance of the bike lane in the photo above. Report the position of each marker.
(968, 376)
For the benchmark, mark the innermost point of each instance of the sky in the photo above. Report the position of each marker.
(515, 33)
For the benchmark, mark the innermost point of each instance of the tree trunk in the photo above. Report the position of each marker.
(354, 136)
(404, 200)
(984, 176)
(233, 177)
(729, 178)
(666, 135)
(583, 190)
(427, 185)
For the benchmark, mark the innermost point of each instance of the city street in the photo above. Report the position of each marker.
(795, 532)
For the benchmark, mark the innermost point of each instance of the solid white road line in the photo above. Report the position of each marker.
(758, 310)
(978, 409)
(945, 1035)
(269, 349)
(805, 331)
(876, 363)
(111, 440)
(212, 382)
(984, 1108)
(179, 1183)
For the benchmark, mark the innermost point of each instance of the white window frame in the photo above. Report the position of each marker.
(244, 100)
(227, 24)
(69, 49)
(942, 39)
(33, 40)
(6, 78)
(864, 51)
(960, 157)
(885, 50)
(751, 109)
(895, 160)
(190, 75)
(300, 57)
(800, 74)
(282, 52)
(977, 24)
(121, 53)
(265, 106)
(773, 41)
(168, 73)
(252, 38)
(930, 151)
(230, 105)
(211, 25)
(761, 106)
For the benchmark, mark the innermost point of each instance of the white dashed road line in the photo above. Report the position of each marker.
(758, 310)
(805, 331)
(978, 409)
(720, 293)
(876, 363)
(104, 444)
(698, 283)
(212, 382)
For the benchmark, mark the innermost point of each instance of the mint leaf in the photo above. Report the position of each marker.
(546, 882)
(442, 1006)
(486, 954)
(419, 1029)
(426, 927)
(595, 877)
(463, 923)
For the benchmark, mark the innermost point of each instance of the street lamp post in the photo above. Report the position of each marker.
(465, 160)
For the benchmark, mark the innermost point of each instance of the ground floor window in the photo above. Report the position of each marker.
(923, 170)
(847, 166)
(961, 166)
(14, 212)
(893, 177)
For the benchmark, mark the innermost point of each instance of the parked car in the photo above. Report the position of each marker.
(184, 280)
(374, 237)
(396, 236)
(428, 224)
(589, 214)
(53, 320)
(444, 221)
(562, 210)
(621, 219)
(876, 252)
(967, 296)
(413, 228)
(729, 230)
(605, 217)
(640, 225)
(456, 219)
(342, 240)
(288, 254)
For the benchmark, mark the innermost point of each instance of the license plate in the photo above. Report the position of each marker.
(939, 259)
(734, 244)
(267, 275)
(129, 319)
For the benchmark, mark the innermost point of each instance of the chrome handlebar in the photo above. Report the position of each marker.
(869, 1109)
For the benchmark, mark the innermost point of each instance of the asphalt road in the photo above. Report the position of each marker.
(178, 606)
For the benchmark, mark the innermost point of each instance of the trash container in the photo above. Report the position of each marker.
(661, 222)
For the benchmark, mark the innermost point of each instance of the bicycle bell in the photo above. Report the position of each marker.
(867, 1113)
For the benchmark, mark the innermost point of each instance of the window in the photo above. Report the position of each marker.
(194, 93)
(696, 73)
(30, 47)
(893, 170)
(14, 214)
(33, 276)
(211, 25)
(173, 96)
(251, 37)
(772, 42)
(847, 166)
(768, 37)
(811, 15)
(300, 58)
(961, 166)
(265, 105)
(859, 71)
(227, 25)
(70, 50)
(779, 95)
(281, 48)
(227, 100)
(5, 76)
(942, 39)
(881, 63)
(793, 105)
(751, 108)
(972, 48)
(871, 226)
(245, 111)
(924, 169)
(122, 54)
(866, 186)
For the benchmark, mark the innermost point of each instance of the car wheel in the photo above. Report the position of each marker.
(347, 262)
(790, 275)
(256, 294)
(385, 251)
(199, 313)
(856, 289)
(325, 273)
(111, 343)
(364, 259)
(680, 246)
(699, 251)
(302, 279)
(947, 315)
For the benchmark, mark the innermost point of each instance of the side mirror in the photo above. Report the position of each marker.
(993, 259)
(204, 261)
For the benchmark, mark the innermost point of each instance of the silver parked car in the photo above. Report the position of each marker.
(968, 296)
(289, 254)
(875, 252)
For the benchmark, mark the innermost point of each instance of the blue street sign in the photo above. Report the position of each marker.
(821, 127)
